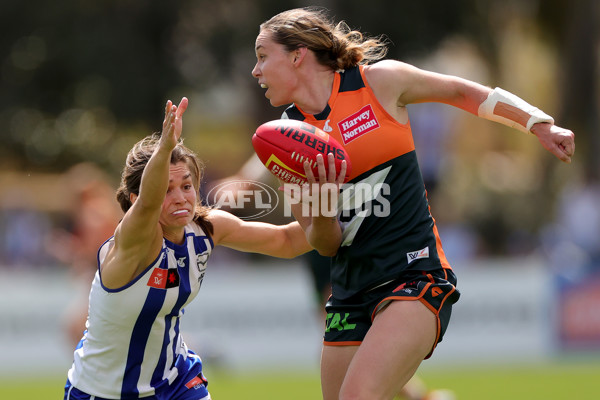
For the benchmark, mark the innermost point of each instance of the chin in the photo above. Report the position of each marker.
(275, 103)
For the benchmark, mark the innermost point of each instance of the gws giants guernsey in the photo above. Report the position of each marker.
(132, 346)
(384, 212)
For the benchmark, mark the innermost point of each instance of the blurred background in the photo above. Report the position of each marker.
(81, 82)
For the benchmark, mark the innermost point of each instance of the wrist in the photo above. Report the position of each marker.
(510, 110)
(535, 129)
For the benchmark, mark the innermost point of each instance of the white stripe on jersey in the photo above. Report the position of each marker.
(133, 342)
(353, 198)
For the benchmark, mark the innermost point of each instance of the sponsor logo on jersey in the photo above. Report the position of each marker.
(164, 278)
(358, 124)
(327, 128)
(415, 255)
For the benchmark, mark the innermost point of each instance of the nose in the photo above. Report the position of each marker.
(178, 196)
(256, 71)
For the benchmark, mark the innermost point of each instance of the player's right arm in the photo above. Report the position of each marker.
(139, 235)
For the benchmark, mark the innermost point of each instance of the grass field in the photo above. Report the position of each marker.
(556, 381)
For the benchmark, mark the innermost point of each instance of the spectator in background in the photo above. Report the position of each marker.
(573, 241)
(93, 217)
(23, 232)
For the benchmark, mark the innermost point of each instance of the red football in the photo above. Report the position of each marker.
(284, 144)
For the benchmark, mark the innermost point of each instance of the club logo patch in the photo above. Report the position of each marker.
(164, 278)
(358, 124)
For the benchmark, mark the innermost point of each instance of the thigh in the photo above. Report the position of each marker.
(401, 336)
(334, 364)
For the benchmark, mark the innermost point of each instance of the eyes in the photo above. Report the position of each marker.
(186, 187)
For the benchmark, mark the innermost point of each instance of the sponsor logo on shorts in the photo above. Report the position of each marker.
(339, 322)
(358, 124)
(415, 255)
(196, 382)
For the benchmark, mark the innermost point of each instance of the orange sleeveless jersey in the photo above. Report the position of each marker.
(392, 230)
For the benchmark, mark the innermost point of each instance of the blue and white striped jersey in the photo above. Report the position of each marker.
(132, 346)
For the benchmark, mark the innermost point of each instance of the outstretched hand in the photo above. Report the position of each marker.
(173, 122)
(557, 140)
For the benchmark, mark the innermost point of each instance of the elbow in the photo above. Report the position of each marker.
(327, 253)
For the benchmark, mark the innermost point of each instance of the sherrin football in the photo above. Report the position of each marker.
(283, 145)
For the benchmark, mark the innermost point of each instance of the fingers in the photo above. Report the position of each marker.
(182, 107)
(321, 168)
(326, 174)
(568, 146)
(169, 117)
(342, 176)
(310, 177)
(565, 145)
(563, 154)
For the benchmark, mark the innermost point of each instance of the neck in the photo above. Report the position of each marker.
(316, 90)
(174, 235)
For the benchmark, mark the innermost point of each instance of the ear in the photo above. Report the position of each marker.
(132, 197)
(298, 55)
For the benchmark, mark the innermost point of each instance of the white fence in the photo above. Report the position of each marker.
(264, 316)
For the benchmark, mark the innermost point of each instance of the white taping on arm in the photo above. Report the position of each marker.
(506, 108)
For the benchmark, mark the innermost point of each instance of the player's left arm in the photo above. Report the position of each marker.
(284, 241)
(406, 84)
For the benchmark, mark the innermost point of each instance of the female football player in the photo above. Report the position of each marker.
(392, 287)
(152, 267)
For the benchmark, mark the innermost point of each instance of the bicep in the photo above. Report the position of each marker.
(407, 84)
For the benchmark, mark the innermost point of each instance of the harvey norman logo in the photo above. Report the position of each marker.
(358, 124)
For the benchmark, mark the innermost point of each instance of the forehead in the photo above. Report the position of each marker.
(179, 170)
(264, 40)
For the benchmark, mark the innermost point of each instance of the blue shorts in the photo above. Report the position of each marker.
(189, 385)
(349, 320)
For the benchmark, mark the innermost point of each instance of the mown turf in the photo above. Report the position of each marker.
(555, 381)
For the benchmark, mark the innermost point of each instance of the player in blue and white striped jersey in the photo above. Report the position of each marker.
(152, 268)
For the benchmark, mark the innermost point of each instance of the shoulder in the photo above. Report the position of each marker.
(386, 71)
(223, 224)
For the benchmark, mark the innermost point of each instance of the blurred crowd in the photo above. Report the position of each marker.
(493, 191)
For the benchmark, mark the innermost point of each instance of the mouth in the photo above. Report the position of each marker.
(264, 86)
(181, 212)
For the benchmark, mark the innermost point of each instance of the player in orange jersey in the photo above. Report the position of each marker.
(392, 287)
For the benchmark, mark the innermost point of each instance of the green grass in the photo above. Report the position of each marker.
(556, 381)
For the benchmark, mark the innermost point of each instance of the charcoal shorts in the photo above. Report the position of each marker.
(349, 320)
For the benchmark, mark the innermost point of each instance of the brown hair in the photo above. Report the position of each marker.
(136, 161)
(336, 46)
